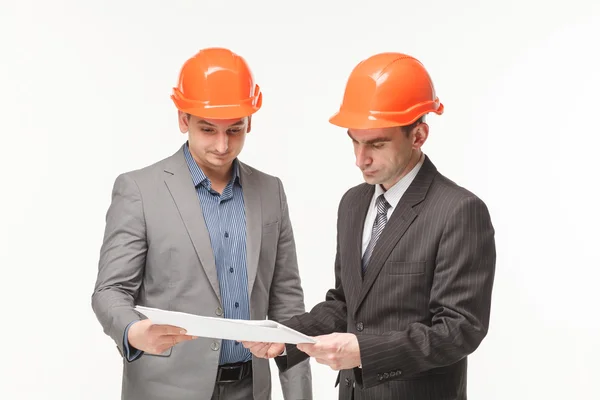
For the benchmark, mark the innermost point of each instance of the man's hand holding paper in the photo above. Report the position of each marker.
(265, 350)
(155, 339)
(337, 350)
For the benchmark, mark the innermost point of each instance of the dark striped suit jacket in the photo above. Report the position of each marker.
(423, 304)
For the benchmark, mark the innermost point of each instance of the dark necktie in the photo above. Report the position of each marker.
(380, 221)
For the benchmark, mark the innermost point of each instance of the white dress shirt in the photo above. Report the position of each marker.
(393, 196)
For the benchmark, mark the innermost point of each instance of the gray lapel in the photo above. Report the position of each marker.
(179, 183)
(399, 222)
(253, 210)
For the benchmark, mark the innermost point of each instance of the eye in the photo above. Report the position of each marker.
(206, 130)
(235, 131)
(378, 145)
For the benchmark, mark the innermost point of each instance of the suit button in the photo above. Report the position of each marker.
(393, 374)
(379, 377)
(360, 326)
(219, 311)
(398, 372)
(214, 346)
(386, 375)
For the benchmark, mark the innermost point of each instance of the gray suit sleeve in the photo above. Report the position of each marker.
(122, 261)
(460, 303)
(286, 299)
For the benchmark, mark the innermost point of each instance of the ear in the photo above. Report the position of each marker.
(184, 121)
(421, 133)
(249, 124)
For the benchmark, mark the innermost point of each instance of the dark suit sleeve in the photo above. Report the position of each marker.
(459, 303)
(326, 317)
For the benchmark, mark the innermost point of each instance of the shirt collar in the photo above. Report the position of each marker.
(199, 177)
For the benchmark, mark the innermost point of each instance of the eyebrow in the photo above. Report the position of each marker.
(204, 122)
(372, 141)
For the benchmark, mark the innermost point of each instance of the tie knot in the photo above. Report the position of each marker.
(382, 204)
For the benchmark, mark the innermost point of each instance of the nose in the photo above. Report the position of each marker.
(362, 157)
(222, 143)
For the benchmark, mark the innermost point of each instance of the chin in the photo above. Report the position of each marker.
(371, 180)
(217, 161)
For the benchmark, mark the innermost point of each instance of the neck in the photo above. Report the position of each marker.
(217, 176)
(220, 176)
(412, 162)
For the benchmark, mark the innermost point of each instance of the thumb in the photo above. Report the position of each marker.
(275, 350)
(302, 346)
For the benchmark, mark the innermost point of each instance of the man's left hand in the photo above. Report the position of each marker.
(337, 350)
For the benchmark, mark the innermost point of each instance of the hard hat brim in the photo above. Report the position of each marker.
(221, 112)
(218, 111)
(374, 120)
(349, 120)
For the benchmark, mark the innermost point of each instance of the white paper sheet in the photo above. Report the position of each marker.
(222, 328)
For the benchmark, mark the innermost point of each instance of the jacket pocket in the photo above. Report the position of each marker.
(273, 225)
(406, 267)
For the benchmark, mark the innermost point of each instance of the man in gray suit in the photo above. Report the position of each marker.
(415, 257)
(203, 233)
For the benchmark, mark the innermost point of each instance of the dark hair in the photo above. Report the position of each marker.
(407, 129)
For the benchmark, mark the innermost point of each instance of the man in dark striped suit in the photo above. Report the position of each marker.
(203, 233)
(415, 257)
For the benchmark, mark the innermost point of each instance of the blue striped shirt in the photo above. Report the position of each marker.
(226, 222)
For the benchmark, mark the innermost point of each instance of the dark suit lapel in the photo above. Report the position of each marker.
(253, 210)
(401, 219)
(352, 233)
(179, 183)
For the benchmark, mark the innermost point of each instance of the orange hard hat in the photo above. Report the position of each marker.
(387, 89)
(217, 83)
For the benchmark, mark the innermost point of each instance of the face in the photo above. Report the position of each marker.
(214, 143)
(385, 155)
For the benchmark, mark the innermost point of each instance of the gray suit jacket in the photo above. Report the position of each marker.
(424, 302)
(157, 253)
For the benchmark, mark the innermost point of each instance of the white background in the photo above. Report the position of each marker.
(84, 95)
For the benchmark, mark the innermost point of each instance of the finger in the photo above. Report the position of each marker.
(257, 346)
(160, 330)
(309, 349)
(160, 349)
(302, 346)
(261, 351)
(249, 345)
(172, 340)
(275, 350)
(310, 346)
(252, 346)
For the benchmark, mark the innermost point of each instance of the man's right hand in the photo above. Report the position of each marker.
(265, 350)
(155, 339)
